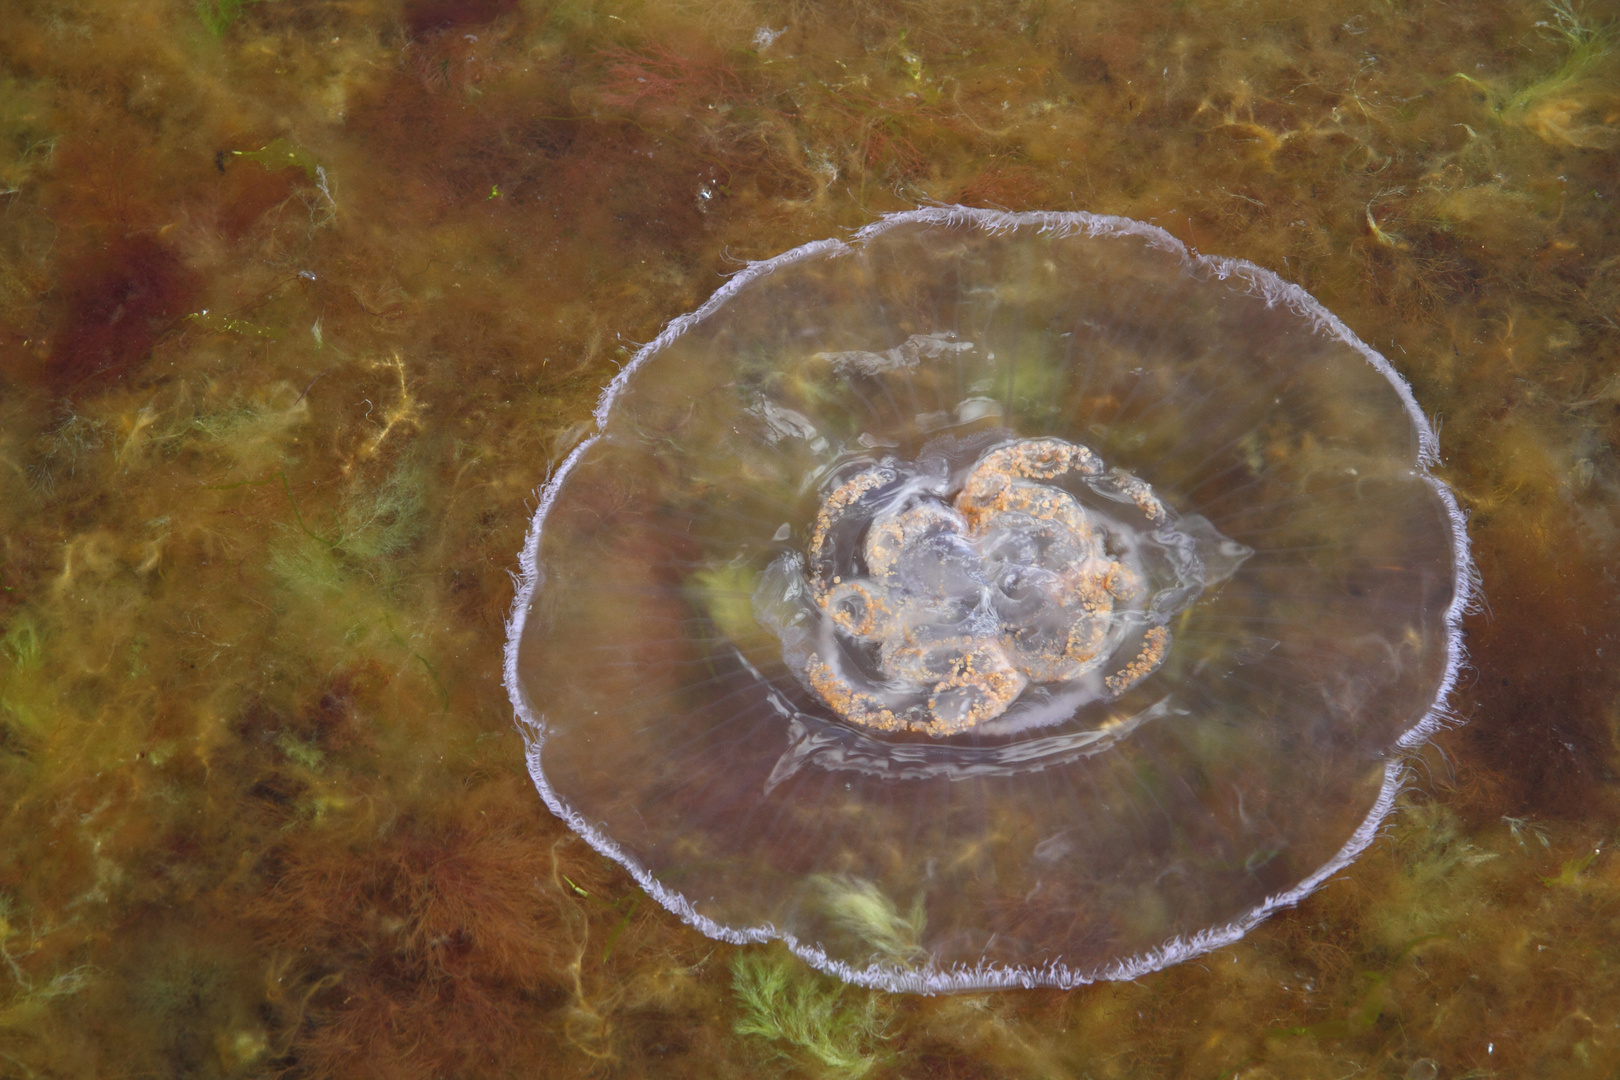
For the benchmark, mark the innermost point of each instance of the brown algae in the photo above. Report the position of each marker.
(1100, 591)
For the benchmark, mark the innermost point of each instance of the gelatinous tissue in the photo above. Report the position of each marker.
(990, 600)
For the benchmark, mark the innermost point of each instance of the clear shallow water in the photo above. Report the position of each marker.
(302, 301)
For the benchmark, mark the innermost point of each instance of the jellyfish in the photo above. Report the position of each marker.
(990, 599)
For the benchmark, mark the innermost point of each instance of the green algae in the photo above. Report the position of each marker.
(1552, 104)
(218, 16)
(375, 524)
(726, 595)
(20, 644)
(839, 1029)
(861, 908)
(24, 703)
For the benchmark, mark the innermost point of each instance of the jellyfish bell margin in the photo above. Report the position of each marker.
(990, 600)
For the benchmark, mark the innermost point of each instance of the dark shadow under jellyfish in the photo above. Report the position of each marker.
(990, 600)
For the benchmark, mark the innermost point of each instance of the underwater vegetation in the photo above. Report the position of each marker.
(812, 1018)
(296, 319)
(1085, 712)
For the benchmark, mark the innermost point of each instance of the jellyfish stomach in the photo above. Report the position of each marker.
(1029, 459)
(976, 682)
(937, 610)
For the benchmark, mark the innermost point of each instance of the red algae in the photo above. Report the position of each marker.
(432, 943)
(248, 191)
(426, 16)
(268, 435)
(118, 298)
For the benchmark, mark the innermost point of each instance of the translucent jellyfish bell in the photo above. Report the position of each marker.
(994, 599)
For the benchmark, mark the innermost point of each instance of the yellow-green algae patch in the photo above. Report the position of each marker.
(248, 832)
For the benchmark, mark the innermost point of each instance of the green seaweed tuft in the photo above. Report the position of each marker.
(20, 644)
(840, 1029)
(726, 595)
(861, 908)
(218, 16)
(382, 521)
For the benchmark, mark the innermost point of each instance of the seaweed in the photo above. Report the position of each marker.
(840, 1029)
(218, 16)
